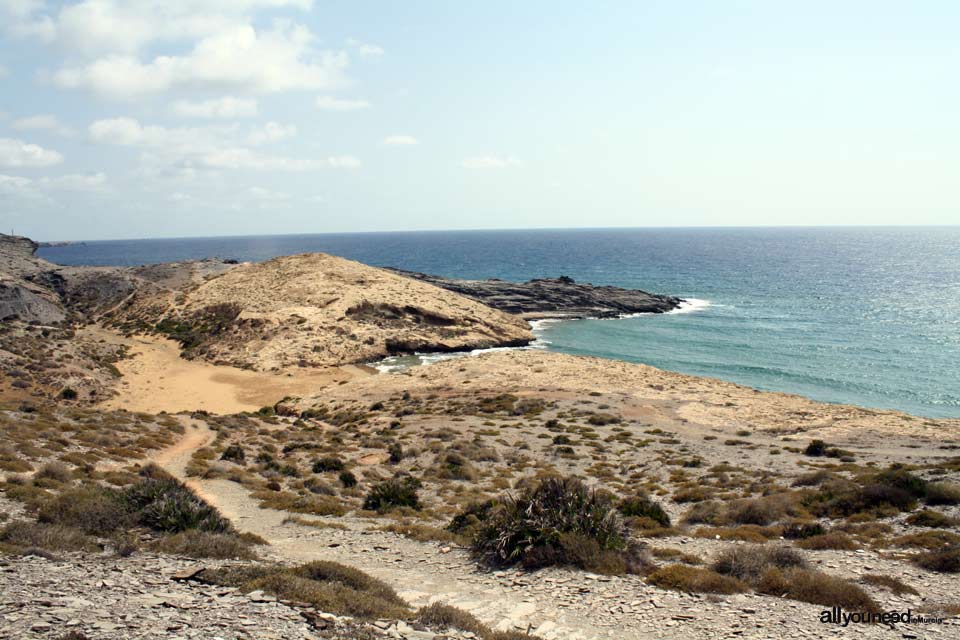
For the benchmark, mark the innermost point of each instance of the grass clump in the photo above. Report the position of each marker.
(749, 562)
(200, 544)
(832, 540)
(93, 509)
(396, 492)
(894, 585)
(328, 586)
(945, 493)
(22, 536)
(932, 519)
(814, 587)
(680, 577)
(942, 561)
(560, 521)
(442, 617)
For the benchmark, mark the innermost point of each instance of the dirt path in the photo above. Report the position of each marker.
(552, 603)
(420, 572)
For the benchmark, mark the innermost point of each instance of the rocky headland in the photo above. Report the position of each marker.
(560, 297)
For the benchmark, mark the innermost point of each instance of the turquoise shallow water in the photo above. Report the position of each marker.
(868, 316)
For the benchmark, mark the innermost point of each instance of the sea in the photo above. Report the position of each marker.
(857, 315)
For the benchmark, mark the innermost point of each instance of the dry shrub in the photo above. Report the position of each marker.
(941, 561)
(943, 493)
(681, 577)
(93, 509)
(328, 586)
(833, 540)
(814, 587)
(932, 519)
(25, 535)
(894, 585)
(421, 532)
(931, 540)
(711, 512)
(749, 562)
(199, 544)
(57, 471)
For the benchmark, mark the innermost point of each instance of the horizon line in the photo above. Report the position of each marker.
(503, 229)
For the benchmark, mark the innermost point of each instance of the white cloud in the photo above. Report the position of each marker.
(490, 162)
(90, 182)
(34, 189)
(227, 107)
(17, 153)
(241, 58)
(123, 131)
(271, 132)
(365, 49)
(43, 122)
(4, 72)
(338, 104)
(183, 149)
(127, 26)
(265, 195)
(400, 140)
(344, 162)
(14, 185)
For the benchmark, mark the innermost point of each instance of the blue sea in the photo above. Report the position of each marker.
(860, 315)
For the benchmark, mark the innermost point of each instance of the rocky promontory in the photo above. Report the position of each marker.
(553, 297)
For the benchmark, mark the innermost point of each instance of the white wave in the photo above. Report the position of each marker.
(691, 305)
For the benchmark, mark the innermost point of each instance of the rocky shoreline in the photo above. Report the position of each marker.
(561, 297)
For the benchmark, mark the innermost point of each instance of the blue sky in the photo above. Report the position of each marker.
(140, 118)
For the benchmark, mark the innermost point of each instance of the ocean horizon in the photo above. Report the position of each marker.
(868, 316)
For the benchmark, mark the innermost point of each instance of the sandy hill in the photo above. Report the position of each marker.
(319, 310)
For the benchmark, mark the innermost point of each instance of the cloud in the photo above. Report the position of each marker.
(344, 162)
(90, 182)
(44, 122)
(223, 147)
(265, 195)
(490, 162)
(17, 153)
(400, 140)
(271, 132)
(126, 26)
(227, 107)
(4, 72)
(365, 49)
(34, 189)
(338, 104)
(239, 58)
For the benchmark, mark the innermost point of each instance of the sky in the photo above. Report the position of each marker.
(170, 118)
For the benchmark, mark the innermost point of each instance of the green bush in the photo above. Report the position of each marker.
(347, 479)
(560, 521)
(164, 504)
(328, 464)
(234, 453)
(395, 492)
(642, 506)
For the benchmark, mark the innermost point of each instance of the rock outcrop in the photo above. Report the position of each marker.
(553, 297)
